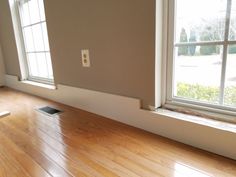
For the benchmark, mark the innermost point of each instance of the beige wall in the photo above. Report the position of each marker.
(120, 35)
(2, 68)
(8, 40)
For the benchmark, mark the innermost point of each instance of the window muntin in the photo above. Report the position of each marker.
(199, 19)
(202, 61)
(230, 79)
(190, 71)
(36, 46)
(232, 31)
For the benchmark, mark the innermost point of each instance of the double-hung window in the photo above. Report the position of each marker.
(201, 65)
(32, 29)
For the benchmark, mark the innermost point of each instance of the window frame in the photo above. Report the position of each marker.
(22, 46)
(169, 100)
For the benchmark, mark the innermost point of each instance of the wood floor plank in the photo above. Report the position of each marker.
(78, 143)
(129, 173)
(69, 152)
(74, 150)
(106, 152)
(29, 165)
(177, 150)
(109, 154)
(133, 146)
(22, 142)
(9, 167)
(58, 158)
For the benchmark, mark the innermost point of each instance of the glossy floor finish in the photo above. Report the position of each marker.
(78, 143)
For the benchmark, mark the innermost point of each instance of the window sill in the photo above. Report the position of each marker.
(231, 127)
(47, 86)
(216, 113)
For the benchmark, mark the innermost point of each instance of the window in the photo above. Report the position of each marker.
(201, 66)
(32, 27)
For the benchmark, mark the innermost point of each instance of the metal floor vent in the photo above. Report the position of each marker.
(49, 110)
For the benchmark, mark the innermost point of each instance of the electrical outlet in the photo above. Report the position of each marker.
(85, 58)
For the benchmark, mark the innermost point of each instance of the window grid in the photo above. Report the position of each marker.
(48, 77)
(40, 22)
(226, 42)
(225, 51)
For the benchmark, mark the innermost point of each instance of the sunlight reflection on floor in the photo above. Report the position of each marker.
(182, 169)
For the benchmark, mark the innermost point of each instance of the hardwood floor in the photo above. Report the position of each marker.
(78, 143)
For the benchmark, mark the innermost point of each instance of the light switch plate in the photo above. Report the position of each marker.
(85, 58)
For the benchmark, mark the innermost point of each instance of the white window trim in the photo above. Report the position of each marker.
(221, 112)
(19, 37)
(19, 40)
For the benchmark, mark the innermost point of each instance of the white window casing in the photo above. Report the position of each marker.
(30, 30)
(168, 99)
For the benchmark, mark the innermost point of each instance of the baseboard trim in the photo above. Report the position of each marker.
(4, 114)
(127, 110)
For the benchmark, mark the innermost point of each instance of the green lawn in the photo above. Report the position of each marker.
(206, 93)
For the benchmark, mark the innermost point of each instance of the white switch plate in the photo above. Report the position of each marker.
(85, 58)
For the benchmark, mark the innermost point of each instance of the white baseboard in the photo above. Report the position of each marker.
(127, 110)
(4, 114)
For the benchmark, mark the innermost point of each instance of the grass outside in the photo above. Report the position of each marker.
(206, 93)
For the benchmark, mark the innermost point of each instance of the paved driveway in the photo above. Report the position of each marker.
(204, 70)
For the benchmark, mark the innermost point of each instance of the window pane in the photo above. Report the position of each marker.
(28, 39)
(41, 10)
(49, 64)
(197, 73)
(25, 13)
(34, 11)
(45, 36)
(32, 64)
(42, 65)
(200, 20)
(38, 37)
(230, 81)
(232, 33)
